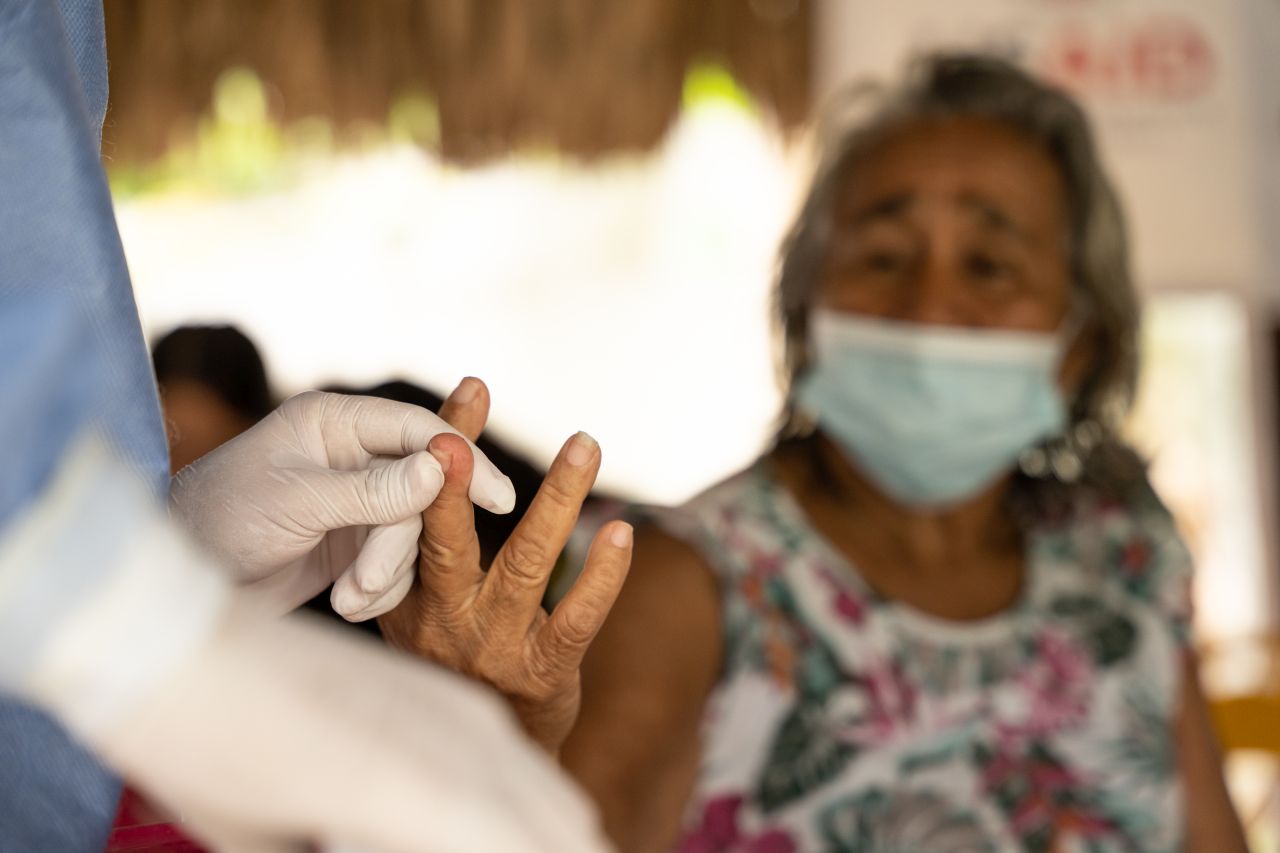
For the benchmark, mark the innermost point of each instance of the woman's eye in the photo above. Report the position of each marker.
(986, 267)
(883, 262)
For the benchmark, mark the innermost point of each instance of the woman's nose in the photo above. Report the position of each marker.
(932, 296)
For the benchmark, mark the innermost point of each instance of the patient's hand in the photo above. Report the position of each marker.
(491, 625)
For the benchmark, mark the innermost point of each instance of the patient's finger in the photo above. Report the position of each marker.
(564, 639)
(467, 408)
(516, 581)
(449, 563)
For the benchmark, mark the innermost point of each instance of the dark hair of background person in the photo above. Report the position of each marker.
(492, 530)
(213, 386)
(222, 359)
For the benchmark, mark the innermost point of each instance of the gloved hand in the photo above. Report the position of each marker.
(260, 732)
(288, 505)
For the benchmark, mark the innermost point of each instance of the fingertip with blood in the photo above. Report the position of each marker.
(490, 488)
(450, 452)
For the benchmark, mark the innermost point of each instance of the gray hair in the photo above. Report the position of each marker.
(1103, 294)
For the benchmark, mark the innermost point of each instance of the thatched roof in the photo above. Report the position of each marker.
(585, 76)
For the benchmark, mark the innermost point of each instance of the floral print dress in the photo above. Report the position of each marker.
(847, 722)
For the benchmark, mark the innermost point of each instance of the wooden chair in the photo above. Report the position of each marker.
(1251, 721)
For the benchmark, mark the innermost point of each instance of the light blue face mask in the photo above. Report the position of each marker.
(932, 414)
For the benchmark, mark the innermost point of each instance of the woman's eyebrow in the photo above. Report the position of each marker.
(886, 207)
(995, 218)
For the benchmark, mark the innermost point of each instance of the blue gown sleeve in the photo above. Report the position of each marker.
(72, 358)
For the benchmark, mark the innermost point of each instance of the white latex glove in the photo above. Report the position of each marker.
(289, 504)
(259, 732)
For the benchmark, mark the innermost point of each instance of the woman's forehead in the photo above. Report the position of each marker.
(976, 165)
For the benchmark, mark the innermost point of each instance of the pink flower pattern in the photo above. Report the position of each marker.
(719, 832)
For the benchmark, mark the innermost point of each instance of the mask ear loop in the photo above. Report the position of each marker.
(1062, 457)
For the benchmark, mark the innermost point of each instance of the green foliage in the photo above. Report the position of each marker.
(239, 148)
(711, 85)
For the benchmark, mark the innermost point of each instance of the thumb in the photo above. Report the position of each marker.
(385, 492)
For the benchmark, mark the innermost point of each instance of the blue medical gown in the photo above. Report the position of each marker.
(72, 359)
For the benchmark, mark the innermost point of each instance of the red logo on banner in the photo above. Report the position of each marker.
(1162, 57)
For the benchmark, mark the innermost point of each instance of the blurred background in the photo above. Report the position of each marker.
(581, 202)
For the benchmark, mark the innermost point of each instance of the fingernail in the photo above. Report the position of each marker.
(445, 459)
(581, 449)
(466, 390)
(620, 536)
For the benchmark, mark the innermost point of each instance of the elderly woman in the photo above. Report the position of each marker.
(953, 616)
(946, 612)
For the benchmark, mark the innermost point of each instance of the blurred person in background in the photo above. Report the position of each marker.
(946, 612)
(167, 660)
(213, 386)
